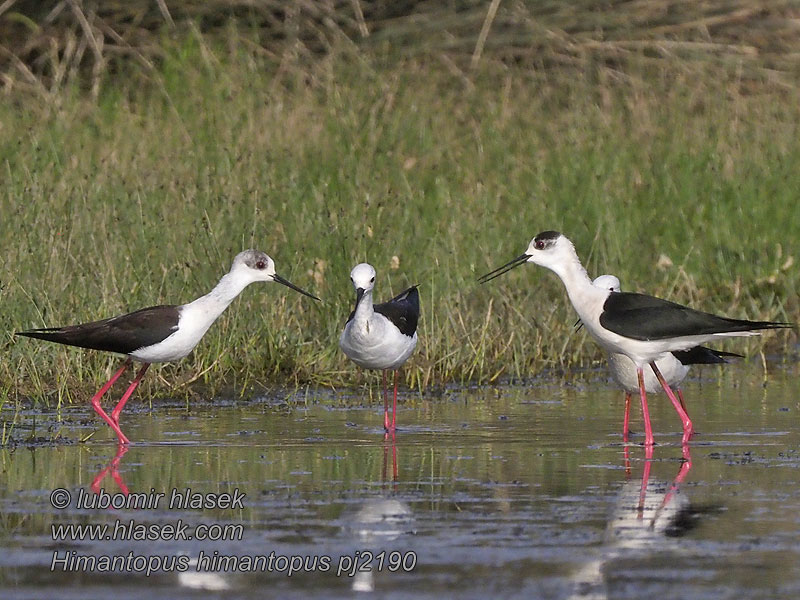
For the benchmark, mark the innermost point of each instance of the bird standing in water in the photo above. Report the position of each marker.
(161, 333)
(674, 366)
(641, 327)
(380, 336)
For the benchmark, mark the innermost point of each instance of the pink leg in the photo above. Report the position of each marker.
(385, 404)
(683, 404)
(687, 422)
(121, 404)
(385, 456)
(627, 456)
(394, 403)
(648, 459)
(95, 402)
(385, 470)
(394, 459)
(686, 465)
(648, 430)
(113, 467)
(626, 420)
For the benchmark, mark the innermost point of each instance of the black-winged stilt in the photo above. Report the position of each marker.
(674, 366)
(641, 327)
(161, 333)
(380, 336)
(648, 516)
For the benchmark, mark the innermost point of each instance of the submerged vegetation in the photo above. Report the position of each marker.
(135, 169)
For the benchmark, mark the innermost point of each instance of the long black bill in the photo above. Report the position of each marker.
(359, 295)
(521, 259)
(289, 284)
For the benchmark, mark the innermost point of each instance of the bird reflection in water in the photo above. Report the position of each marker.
(381, 520)
(647, 517)
(112, 468)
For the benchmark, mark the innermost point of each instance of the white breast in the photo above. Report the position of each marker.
(192, 326)
(376, 343)
(623, 370)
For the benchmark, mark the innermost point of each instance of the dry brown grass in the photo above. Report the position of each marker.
(47, 46)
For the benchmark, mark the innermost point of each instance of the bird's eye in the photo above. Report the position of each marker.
(372, 280)
(539, 245)
(261, 265)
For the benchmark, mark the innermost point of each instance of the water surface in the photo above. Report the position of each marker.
(508, 491)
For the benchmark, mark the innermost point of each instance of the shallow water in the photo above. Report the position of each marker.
(509, 491)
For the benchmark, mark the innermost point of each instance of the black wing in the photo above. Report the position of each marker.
(402, 310)
(642, 317)
(700, 355)
(122, 334)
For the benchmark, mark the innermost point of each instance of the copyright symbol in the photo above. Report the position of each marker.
(60, 498)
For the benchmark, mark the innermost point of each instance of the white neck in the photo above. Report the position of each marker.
(213, 304)
(364, 310)
(580, 290)
(194, 319)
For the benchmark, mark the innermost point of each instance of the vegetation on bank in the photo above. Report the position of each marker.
(134, 186)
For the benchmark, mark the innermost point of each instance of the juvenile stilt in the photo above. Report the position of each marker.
(161, 333)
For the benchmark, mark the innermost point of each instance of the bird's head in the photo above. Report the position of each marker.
(257, 266)
(549, 249)
(607, 282)
(363, 279)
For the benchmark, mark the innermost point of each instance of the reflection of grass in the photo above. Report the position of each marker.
(682, 188)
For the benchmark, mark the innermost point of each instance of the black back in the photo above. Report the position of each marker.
(402, 310)
(122, 334)
(642, 317)
(700, 355)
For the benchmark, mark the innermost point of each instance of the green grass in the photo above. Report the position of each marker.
(681, 183)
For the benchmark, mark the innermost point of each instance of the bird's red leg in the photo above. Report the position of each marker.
(686, 466)
(680, 397)
(627, 456)
(121, 450)
(648, 430)
(648, 459)
(385, 456)
(394, 403)
(113, 467)
(626, 420)
(687, 422)
(118, 408)
(95, 402)
(385, 470)
(385, 404)
(394, 459)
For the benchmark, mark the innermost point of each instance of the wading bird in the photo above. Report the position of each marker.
(380, 336)
(674, 366)
(161, 333)
(641, 327)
